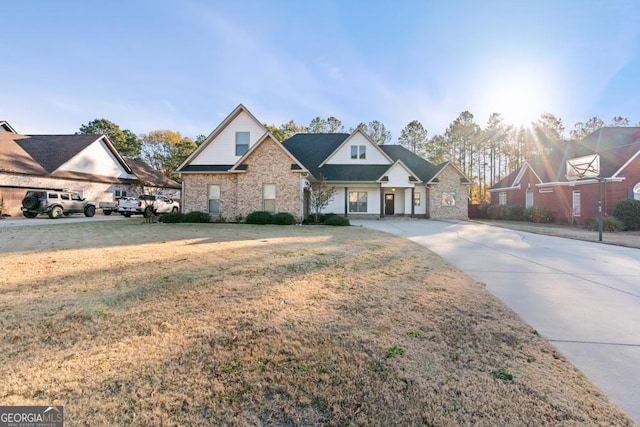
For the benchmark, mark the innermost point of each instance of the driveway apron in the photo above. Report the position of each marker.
(583, 297)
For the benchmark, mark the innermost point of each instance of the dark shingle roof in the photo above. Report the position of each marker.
(149, 176)
(14, 159)
(51, 151)
(206, 168)
(311, 149)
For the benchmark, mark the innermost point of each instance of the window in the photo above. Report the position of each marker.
(448, 198)
(120, 193)
(65, 197)
(636, 191)
(242, 143)
(358, 151)
(214, 199)
(269, 197)
(75, 196)
(529, 200)
(576, 203)
(502, 198)
(357, 201)
(416, 199)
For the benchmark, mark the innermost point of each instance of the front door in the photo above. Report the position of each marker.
(389, 202)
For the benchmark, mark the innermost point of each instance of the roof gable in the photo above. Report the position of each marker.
(219, 147)
(267, 137)
(311, 149)
(342, 154)
(6, 127)
(398, 175)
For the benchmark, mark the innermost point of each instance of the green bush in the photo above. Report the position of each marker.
(284, 218)
(609, 223)
(171, 218)
(259, 217)
(513, 213)
(628, 211)
(482, 211)
(336, 220)
(197, 217)
(539, 215)
(494, 211)
(192, 217)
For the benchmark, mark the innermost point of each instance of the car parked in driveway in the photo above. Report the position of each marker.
(147, 204)
(55, 204)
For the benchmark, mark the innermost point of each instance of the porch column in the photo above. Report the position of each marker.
(413, 202)
(381, 202)
(346, 202)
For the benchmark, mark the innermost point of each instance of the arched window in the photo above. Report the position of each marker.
(636, 191)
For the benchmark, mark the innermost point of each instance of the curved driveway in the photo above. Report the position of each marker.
(583, 297)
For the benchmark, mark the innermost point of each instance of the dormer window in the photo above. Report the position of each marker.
(358, 151)
(242, 143)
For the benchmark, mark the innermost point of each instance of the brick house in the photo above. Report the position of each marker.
(544, 183)
(89, 164)
(240, 168)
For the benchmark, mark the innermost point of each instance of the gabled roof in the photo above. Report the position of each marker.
(239, 164)
(346, 141)
(312, 149)
(51, 151)
(6, 127)
(148, 176)
(186, 167)
(14, 159)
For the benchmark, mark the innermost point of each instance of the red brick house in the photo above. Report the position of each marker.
(544, 183)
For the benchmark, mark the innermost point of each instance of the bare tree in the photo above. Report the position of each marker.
(320, 194)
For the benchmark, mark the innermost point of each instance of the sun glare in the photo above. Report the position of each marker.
(519, 95)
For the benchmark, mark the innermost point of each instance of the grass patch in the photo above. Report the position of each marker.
(219, 324)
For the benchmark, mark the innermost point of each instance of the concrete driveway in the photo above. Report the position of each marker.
(583, 297)
(44, 220)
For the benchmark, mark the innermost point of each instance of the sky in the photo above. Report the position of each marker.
(185, 65)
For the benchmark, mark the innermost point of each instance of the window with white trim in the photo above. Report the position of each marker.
(358, 151)
(242, 143)
(448, 198)
(576, 203)
(118, 194)
(529, 198)
(502, 198)
(269, 198)
(358, 201)
(416, 199)
(636, 191)
(214, 199)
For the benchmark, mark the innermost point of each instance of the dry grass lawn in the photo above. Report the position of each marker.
(133, 324)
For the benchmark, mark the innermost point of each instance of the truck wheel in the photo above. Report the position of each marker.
(89, 211)
(56, 212)
(107, 213)
(127, 214)
(29, 214)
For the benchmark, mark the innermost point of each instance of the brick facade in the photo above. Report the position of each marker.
(241, 192)
(449, 181)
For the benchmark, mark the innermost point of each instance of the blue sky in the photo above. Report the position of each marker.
(184, 65)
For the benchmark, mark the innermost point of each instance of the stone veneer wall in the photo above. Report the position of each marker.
(449, 181)
(241, 192)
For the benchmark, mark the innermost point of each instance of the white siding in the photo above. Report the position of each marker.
(398, 177)
(96, 159)
(343, 155)
(222, 150)
(337, 203)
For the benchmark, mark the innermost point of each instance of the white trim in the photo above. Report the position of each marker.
(346, 141)
(626, 164)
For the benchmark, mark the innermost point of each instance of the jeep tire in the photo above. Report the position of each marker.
(56, 212)
(30, 202)
(89, 211)
(28, 214)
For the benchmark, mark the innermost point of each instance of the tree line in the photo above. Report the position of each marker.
(486, 154)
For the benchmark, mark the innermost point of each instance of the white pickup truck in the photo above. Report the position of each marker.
(146, 204)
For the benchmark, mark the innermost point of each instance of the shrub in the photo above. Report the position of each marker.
(482, 211)
(540, 215)
(220, 219)
(513, 213)
(628, 211)
(336, 220)
(259, 217)
(609, 223)
(494, 211)
(196, 216)
(171, 218)
(284, 218)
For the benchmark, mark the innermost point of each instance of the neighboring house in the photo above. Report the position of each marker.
(544, 183)
(240, 168)
(89, 164)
